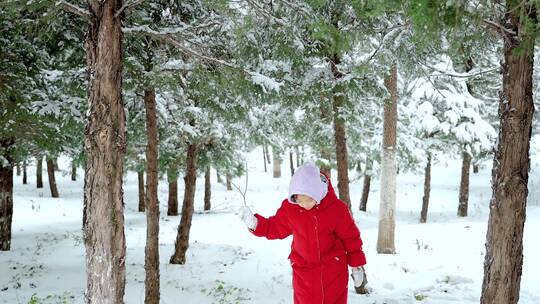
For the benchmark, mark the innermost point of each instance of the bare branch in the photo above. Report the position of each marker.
(128, 6)
(507, 34)
(72, 8)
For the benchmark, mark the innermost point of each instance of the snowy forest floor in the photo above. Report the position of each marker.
(437, 262)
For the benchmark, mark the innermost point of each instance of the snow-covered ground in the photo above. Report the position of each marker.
(437, 262)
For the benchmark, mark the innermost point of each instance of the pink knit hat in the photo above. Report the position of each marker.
(308, 180)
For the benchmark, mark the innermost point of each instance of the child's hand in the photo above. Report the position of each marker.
(247, 216)
(360, 280)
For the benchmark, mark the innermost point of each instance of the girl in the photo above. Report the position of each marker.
(325, 238)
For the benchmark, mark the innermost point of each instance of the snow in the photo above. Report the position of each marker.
(266, 83)
(437, 262)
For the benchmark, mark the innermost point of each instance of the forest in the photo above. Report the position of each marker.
(156, 121)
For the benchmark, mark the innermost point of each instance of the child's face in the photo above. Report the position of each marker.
(305, 201)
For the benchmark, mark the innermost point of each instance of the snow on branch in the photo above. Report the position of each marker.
(265, 82)
(128, 6)
(460, 75)
(266, 13)
(72, 8)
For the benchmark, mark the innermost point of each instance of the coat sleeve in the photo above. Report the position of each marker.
(274, 227)
(349, 234)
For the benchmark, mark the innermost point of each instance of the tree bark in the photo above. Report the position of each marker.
(387, 209)
(6, 195)
(264, 158)
(39, 172)
(267, 153)
(142, 195)
(151, 261)
(277, 163)
(219, 179)
(172, 202)
(25, 174)
(103, 218)
(504, 243)
(427, 190)
(207, 190)
(340, 138)
(326, 154)
(464, 185)
(228, 178)
(52, 178)
(182, 239)
(365, 192)
(73, 171)
(297, 150)
(291, 162)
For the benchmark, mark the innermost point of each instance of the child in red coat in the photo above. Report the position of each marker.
(325, 238)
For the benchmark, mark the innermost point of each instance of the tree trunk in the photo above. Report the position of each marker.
(464, 185)
(73, 171)
(207, 190)
(340, 138)
(387, 209)
(264, 158)
(267, 153)
(39, 172)
(475, 168)
(142, 195)
(103, 218)
(151, 261)
(326, 154)
(365, 192)
(277, 163)
(52, 178)
(18, 166)
(228, 177)
(291, 162)
(182, 239)
(6, 195)
(219, 179)
(297, 150)
(504, 244)
(25, 174)
(172, 202)
(427, 190)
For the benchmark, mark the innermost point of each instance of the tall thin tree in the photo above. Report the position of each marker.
(151, 261)
(105, 144)
(504, 242)
(6, 194)
(387, 209)
(52, 178)
(182, 239)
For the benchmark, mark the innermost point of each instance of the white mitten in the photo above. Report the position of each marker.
(247, 216)
(360, 280)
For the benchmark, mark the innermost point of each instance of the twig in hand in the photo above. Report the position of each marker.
(243, 193)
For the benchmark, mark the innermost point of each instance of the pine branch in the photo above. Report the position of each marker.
(266, 13)
(167, 37)
(461, 75)
(72, 8)
(128, 6)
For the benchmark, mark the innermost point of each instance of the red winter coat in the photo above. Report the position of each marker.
(325, 241)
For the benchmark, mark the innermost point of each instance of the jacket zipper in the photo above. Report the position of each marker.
(319, 252)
